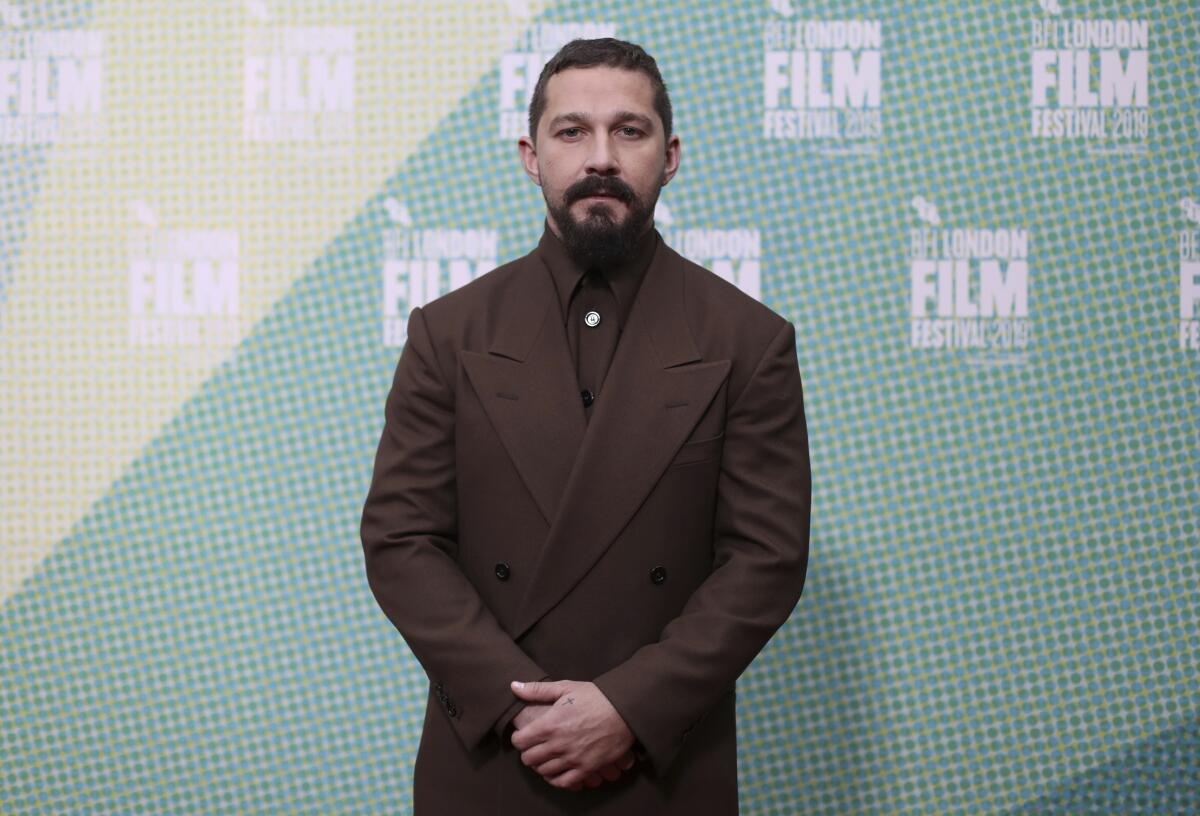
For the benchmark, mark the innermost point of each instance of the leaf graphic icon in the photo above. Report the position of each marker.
(258, 10)
(11, 15)
(518, 9)
(1191, 211)
(397, 212)
(782, 7)
(144, 214)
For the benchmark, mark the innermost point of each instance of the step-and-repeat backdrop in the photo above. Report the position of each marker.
(982, 217)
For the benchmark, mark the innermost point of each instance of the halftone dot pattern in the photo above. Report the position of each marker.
(1000, 613)
(175, 160)
(21, 164)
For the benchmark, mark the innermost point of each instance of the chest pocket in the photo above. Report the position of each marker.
(708, 435)
(699, 450)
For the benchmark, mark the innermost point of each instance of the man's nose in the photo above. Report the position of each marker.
(602, 159)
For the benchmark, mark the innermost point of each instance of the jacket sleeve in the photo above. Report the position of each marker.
(760, 559)
(409, 537)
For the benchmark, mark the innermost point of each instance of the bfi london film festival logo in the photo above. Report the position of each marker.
(1090, 79)
(1189, 278)
(183, 284)
(298, 81)
(970, 287)
(733, 254)
(521, 66)
(422, 264)
(822, 81)
(51, 83)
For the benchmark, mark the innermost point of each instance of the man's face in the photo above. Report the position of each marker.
(601, 159)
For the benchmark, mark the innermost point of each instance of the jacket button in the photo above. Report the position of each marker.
(588, 396)
(502, 571)
(658, 575)
(451, 709)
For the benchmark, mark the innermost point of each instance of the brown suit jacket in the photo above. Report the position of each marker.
(653, 550)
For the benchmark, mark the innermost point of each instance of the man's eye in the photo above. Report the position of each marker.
(631, 131)
(567, 131)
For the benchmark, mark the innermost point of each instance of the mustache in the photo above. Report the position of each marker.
(593, 186)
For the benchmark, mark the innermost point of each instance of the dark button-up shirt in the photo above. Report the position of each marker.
(608, 292)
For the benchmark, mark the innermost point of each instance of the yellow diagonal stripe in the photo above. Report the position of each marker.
(79, 401)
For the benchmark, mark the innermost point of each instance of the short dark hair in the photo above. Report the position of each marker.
(603, 51)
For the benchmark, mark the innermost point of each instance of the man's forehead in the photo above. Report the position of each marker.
(574, 87)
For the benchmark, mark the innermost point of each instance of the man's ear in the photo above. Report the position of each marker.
(672, 158)
(529, 159)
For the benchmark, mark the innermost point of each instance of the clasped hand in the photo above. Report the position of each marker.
(570, 733)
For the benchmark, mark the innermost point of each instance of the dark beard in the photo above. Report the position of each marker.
(598, 241)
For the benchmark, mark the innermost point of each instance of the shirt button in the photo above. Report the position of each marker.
(502, 571)
(658, 575)
(592, 319)
(588, 396)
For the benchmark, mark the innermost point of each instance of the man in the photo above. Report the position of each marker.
(593, 479)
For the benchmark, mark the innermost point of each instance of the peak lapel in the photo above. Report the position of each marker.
(528, 386)
(656, 390)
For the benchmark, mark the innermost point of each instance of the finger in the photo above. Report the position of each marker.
(552, 768)
(611, 772)
(540, 754)
(534, 734)
(568, 780)
(544, 691)
(627, 761)
(530, 713)
(593, 781)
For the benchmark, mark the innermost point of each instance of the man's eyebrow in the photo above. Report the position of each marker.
(620, 116)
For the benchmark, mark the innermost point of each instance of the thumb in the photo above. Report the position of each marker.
(538, 692)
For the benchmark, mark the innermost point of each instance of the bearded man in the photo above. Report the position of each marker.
(590, 503)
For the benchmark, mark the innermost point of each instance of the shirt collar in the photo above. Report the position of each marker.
(624, 278)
